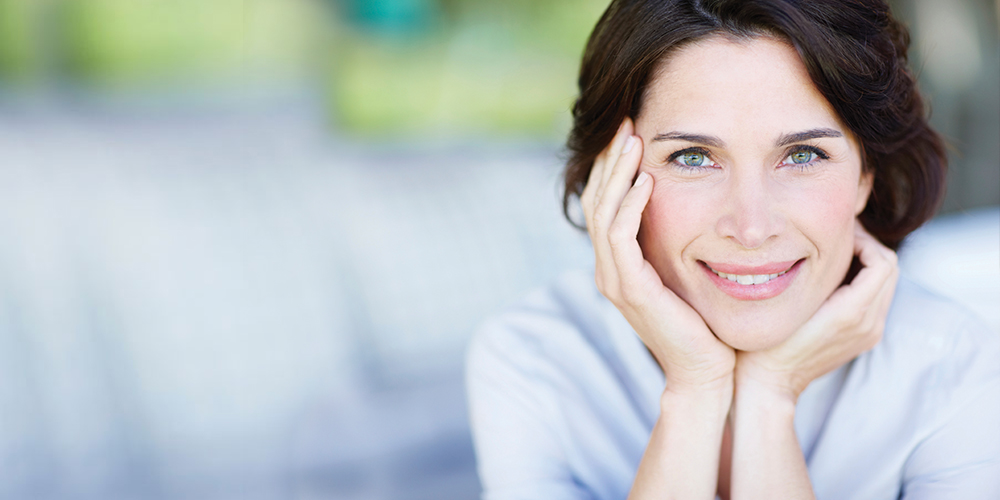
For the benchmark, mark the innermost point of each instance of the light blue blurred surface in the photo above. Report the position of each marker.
(236, 305)
(958, 256)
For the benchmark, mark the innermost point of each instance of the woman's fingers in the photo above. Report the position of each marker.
(616, 186)
(614, 153)
(601, 170)
(608, 203)
(597, 221)
(589, 193)
(639, 282)
(870, 250)
(861, 307)
(879, 309)
(879, 264)
(883, 302)
(624, 246)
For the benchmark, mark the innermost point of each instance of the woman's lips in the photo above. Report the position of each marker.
(753, 282)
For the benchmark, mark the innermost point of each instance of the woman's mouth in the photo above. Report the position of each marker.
(749, 279)
(753, 282)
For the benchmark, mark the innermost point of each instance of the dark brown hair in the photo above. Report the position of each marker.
(854, 51)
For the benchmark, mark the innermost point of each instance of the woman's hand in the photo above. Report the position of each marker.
(850, 322)
(691, 356)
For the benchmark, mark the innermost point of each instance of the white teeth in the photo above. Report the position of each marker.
(748, 279)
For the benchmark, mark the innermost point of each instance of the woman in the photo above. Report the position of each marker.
(733, 158)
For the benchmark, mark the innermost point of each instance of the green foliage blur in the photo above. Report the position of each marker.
(445, 67)
(20, 55)
(136, 44)
(406, 68)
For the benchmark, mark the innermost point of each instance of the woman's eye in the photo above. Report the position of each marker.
(802, 156)
(692, 158)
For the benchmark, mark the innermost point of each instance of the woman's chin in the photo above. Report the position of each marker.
(744, 338)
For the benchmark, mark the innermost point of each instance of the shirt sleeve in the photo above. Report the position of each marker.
(960, 457)
(961, 460)
(514, 419)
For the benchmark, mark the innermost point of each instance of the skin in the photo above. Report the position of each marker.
(735, 367)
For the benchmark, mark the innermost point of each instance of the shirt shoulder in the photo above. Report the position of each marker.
(553, 395)
(543, 325)
(939, 338)
(916, 409)
(951, 361)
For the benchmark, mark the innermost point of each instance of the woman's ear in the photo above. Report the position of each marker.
(864, 190)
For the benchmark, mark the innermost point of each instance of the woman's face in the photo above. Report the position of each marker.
(755, 180)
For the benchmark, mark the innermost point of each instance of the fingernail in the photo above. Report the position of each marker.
(641, 179)
(628, 144)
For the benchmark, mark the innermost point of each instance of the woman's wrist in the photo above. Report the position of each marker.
(767, 461)
(767, 381)
(714, 395)
(682, 457)
(766, 387)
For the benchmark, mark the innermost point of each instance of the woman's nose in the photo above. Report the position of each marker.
(750, 216)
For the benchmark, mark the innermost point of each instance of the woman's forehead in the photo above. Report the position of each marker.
(722, 83)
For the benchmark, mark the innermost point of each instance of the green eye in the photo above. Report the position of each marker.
(693, 159)
(801, 156)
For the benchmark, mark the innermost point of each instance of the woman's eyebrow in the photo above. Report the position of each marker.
(715, 142)
(815, 133)
(707, 140)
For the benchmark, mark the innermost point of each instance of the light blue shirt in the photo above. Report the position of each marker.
(563, 396)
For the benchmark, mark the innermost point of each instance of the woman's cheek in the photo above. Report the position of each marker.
(825, 215)
(829, 208)
(676, 214)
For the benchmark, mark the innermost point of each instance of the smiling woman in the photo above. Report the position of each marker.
(773, 189)
(746, 169)
(744, 208)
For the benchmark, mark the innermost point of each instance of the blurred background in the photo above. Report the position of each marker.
(243, 243)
